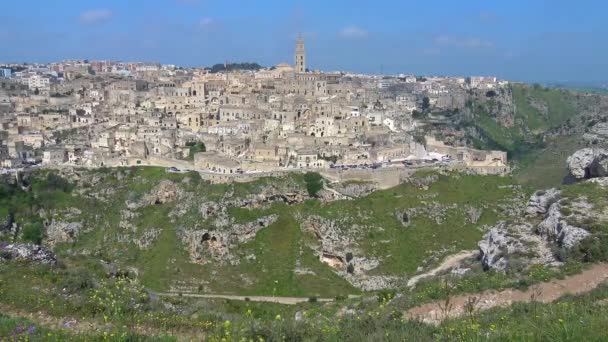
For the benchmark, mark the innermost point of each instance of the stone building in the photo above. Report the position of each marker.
(300, 56)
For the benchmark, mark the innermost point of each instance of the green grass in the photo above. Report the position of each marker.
(558, 108)
(279, 249)
(21, 329)
(547, 167)
(282, 247)
(524, 139)
(402, 249)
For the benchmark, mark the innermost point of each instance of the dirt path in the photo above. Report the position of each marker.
(447, 263)
(543, 292)
(267, 299)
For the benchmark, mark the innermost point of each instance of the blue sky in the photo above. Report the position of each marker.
(530, 40)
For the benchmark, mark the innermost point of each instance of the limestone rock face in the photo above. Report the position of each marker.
(214, 245)
(588, 163)
(556, 227)
(166, 191)
(497, 245)
(59, 231)
(541, 200)
(514, 245)
(597, 134)
(355, 190)
(28, 252)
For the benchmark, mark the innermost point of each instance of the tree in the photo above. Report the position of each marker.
(426, 103)
(490, 93)
(314, 183)
(36, 91)
(418, 115)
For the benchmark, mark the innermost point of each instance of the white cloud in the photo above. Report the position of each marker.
(353, 32)
(462, 43)
(95, 16)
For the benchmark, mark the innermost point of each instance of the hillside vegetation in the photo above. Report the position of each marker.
(538, 127)
(125, 236)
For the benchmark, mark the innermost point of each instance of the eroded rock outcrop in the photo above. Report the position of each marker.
(502, 242)
(556, 227)
(354, 190)
(588, 163)
(214, 245)
(27, 252)
(60, 231)
(164, 192)
(541, 200)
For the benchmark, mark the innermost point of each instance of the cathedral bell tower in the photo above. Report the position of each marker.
(300, 56)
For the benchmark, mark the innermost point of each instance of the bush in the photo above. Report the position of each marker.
(312, 299)
(33, 232)
(593, 248)
(385, 295)
(350, 269)
(77, 280)
(55, 182)
(314, 183)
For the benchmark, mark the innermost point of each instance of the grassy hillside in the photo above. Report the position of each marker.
(530, 140)
(446, 213)
(535, 110)
(439, 224)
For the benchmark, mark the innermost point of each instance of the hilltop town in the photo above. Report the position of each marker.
(234, 120)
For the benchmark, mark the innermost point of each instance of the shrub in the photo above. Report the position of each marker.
(314, 183)
(385, 295)
(77, 280)
(350, 269)
(33, 232)
(55, 182)
(312, 299)
(593, 248)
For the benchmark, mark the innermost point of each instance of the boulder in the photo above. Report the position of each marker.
(555, 227)
(588, 163)
(497, 245)
(28, 252)
(514, 245)
(541, 200)
(59, 231)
